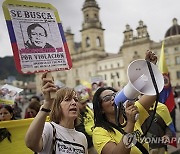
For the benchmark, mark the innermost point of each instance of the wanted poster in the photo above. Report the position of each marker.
(37, 37)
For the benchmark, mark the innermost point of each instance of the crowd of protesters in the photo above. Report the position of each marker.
(92, 131)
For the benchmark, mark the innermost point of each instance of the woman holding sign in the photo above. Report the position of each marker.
(59, 135)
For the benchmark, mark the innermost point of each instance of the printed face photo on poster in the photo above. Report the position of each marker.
(37, 37)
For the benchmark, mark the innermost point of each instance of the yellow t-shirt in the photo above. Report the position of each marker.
(89, 121)
(163, 111)
(101, 136)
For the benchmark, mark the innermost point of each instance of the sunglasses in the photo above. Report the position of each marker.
(108, 97)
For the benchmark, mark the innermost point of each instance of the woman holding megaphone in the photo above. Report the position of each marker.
(108, 136)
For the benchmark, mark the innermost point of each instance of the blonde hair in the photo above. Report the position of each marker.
(56, 111)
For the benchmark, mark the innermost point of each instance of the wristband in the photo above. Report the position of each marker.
(45, 110)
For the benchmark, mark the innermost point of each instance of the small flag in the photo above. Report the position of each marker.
(166, 96)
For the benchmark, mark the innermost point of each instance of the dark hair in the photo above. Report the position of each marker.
(100, 119)
(35, 97)
(10, 110)
(35, 106)
(33, 26)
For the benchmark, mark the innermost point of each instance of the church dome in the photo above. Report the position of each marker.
(174, 29)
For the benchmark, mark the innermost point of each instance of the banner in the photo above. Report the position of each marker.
(37, 37)
(16, 130)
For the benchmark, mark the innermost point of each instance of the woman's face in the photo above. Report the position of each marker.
(107, 97)
(32, 113)
(5, 114)
(70, 108)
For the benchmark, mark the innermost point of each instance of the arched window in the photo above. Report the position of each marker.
(105, 77)
(87, 42)
(98, 41)
(95, 16)
(87, 17)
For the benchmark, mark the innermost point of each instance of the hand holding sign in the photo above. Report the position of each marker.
(48, 87)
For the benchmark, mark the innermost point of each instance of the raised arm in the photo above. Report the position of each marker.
(148, 101)
(33, 138)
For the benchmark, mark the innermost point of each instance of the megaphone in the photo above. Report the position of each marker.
(140, 81)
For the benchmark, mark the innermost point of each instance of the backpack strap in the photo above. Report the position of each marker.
(138, 144)
(157, 96)
(53, 147)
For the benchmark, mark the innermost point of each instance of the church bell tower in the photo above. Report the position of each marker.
(92, 31)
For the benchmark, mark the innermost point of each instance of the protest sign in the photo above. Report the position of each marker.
(8, 94)
(97, 79)
(37, 37)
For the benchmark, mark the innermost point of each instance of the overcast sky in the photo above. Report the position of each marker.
(114, 15)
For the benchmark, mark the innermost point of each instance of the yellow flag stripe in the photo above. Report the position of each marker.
(162, 61)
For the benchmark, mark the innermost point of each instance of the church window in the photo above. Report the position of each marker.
(87, 17)
(117, 74)
(76, 72)
(167, 61)
(98, 41)
(112, 76)
(176, 49)
(139, 33)
(165, 50)
(177, 60)
(119, 84)
(90, 74)
(178, 74)
(118, 64)
(105, 77)
(77, 82)
(87, 42)
(95, 16)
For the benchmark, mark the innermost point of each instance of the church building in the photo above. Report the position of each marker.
(91, 62)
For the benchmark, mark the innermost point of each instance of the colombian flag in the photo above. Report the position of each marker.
(166, 96)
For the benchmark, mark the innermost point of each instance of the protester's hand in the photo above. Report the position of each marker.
(151, 56)
(131, 111)
(47, 87)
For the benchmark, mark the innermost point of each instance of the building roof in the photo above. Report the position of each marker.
(174, 29)
(90, 3)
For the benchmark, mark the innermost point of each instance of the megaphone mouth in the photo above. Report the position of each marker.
(140, 77)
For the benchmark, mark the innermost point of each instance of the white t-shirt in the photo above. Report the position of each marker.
(68, 141)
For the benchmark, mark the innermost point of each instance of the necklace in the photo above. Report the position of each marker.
(69, 132)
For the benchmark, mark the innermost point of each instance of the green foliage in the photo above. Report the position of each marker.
(8, 68)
